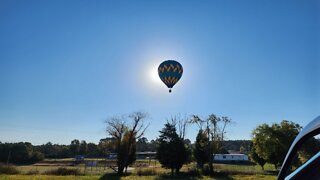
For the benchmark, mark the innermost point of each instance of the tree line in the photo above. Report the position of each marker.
(35, 153)
(19, 153)
(125, 137)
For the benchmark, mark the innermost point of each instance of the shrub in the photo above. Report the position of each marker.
(36, 157)
(8, 169)
(32, 172)
(63, 172)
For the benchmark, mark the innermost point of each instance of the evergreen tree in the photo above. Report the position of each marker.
(171, 152)
(201, 151)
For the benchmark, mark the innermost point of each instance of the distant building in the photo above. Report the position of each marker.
(139, 155)
(146, 155)
(231, 157)
(108, 139)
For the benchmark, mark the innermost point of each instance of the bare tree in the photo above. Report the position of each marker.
(195, 119)
(215, 128)
(119, 127)
(182, 125)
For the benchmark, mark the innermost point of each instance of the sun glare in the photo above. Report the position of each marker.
(153, 74)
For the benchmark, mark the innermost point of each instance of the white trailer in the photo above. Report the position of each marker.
(230, 157)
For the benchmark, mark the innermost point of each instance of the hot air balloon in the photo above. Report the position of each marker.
(170, 72)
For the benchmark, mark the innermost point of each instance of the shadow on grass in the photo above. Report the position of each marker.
(113, 176)
(187, 176)
(272, 172)
(246, 163)
(182, 175)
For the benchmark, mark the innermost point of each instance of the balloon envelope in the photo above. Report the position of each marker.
(170, 72)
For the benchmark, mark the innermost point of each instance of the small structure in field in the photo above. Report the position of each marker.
(231, 157)
(79, 158)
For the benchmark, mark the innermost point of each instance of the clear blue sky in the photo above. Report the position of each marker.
(66, 66)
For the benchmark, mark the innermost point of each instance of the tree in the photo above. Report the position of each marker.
(107, 146)
(171, 152)
(189, 147)
(182, 124)
(48, 150)
(236, 145)
(124, 150)
(152, 146)
(64, 152)
(242, 149)
(75, 147)
(215, 128)
(142, 144)
(132, 150)
(92, 150)
(272, 142)
(309, 149)
(83, 147)
(256, 158)
(201, 148)
(119, 129)
(22, 152)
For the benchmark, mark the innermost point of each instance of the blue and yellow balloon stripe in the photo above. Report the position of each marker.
(170, 68)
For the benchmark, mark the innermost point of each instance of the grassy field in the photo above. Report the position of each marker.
(132, 177)
(142, 169)
(101, 169)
